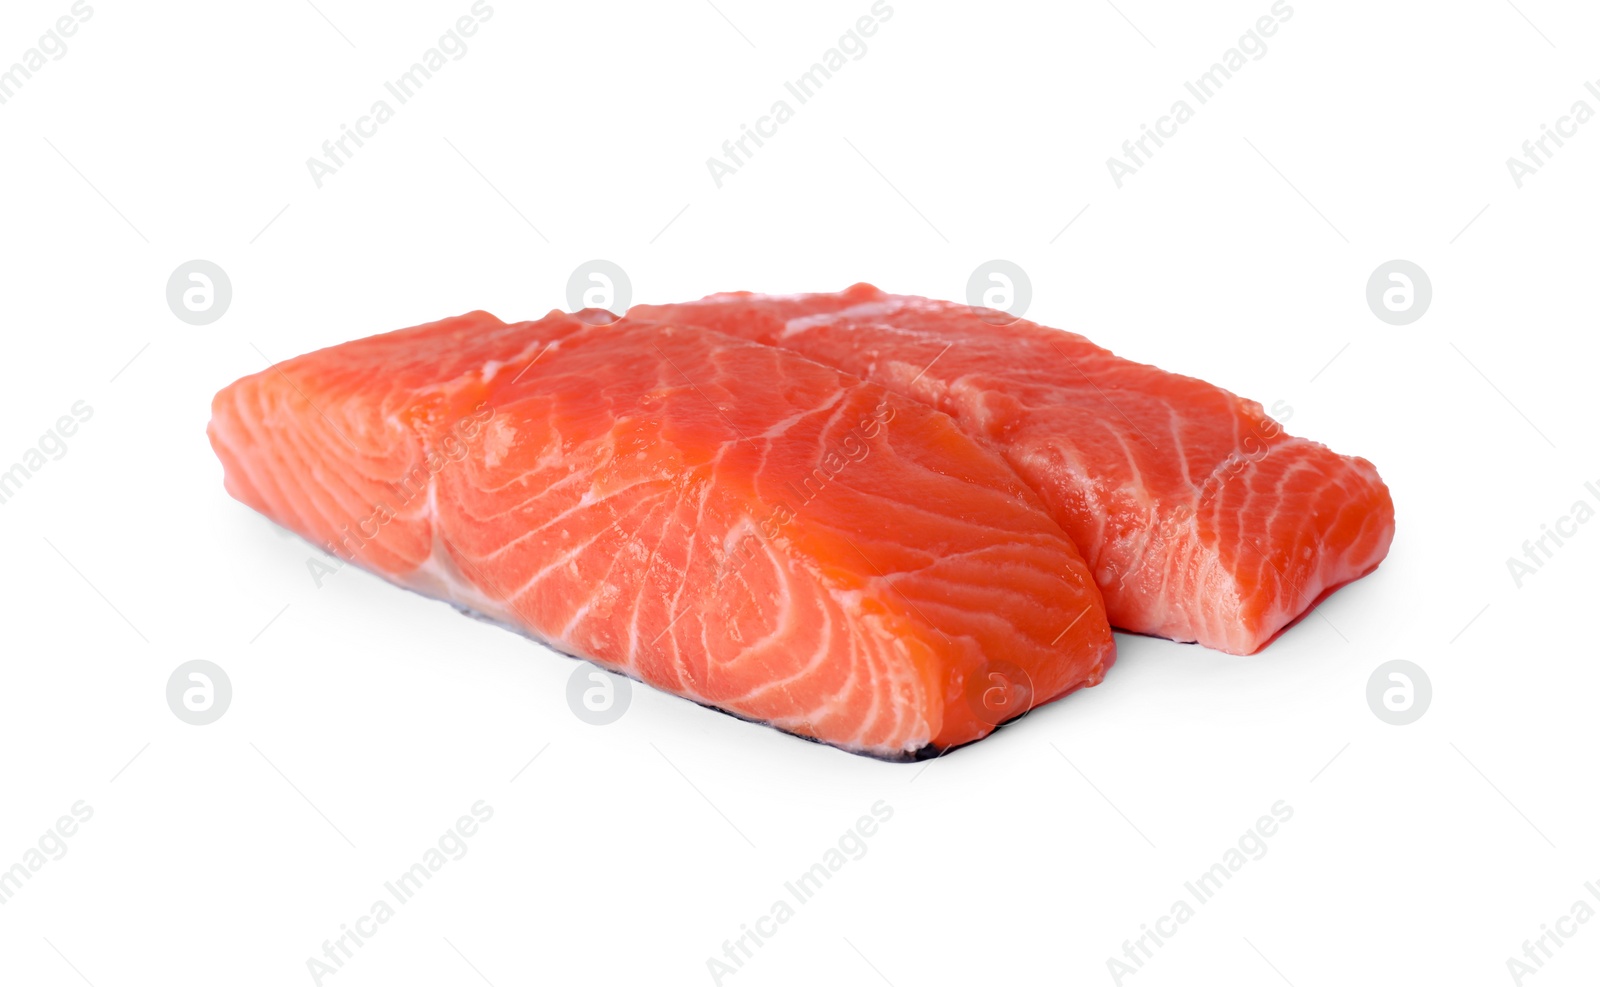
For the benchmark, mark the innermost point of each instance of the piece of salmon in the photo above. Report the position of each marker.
(1201, 519)
(727, 521)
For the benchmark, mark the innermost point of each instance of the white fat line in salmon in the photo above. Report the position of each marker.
(412, 485)
(1537, 153)
(452, 845)
(852, 845)
(337, 153)
(1537, 950)
(1202, 889)
(1538, 551)
(52, 43)
(53, 443)
(1255, 447)
(853, 448)
(802, 88)
(1202, 88)
(51, 846)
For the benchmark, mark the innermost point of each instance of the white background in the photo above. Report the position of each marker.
(365, 720)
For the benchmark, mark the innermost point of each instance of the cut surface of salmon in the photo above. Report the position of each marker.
(727, 521)
(1201, 519)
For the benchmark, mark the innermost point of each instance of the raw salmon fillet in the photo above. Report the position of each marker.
(730, 522)
(1201, 519)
